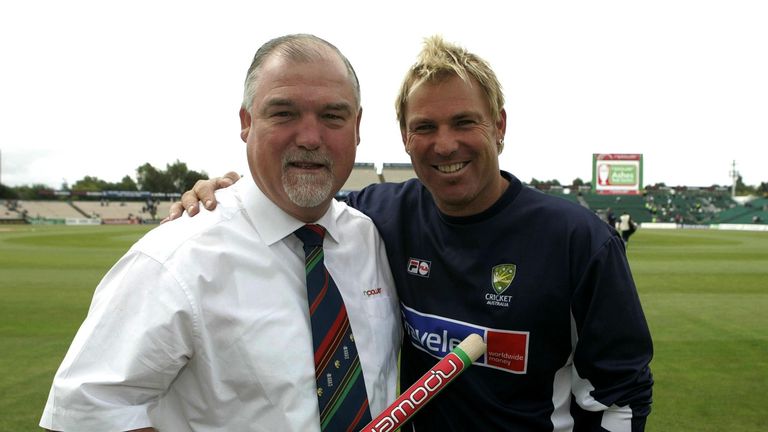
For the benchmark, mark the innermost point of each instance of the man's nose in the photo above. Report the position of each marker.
(445, 142)
(310, 132)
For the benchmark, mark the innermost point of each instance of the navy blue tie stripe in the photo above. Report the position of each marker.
(341, 394)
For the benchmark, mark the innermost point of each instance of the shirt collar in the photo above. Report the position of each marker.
(272, 223)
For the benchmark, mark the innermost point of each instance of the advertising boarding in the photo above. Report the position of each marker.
(617, 173)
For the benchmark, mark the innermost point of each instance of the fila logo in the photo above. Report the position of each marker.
(419, 267)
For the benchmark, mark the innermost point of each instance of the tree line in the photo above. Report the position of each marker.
(175, 178)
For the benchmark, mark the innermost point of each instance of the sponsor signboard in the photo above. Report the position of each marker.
(617, 173)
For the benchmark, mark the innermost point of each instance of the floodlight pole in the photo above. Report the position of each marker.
(734, 177)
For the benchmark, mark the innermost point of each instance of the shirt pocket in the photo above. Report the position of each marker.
(379, 306)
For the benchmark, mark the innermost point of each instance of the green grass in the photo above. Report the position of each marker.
(47, 278)
(705, 294)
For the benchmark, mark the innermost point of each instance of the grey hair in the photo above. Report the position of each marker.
(297, 47)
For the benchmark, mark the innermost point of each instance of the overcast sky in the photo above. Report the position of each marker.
(101, 87)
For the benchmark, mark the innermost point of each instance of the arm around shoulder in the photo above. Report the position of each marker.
(203, 191)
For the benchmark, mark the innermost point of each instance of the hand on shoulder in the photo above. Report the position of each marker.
(203, 191)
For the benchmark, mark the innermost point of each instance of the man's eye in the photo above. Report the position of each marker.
(281, 114)
(423, 128)
(465, 122)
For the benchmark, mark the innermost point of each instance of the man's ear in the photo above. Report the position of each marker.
(501, 127)
(245, 124)
(502, 124)
(357, 126)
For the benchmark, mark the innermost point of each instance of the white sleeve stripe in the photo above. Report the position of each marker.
(561, 418)
(615, 418)
(581, 387)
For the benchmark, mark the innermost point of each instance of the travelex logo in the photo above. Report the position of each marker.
(438, 336)
(419, 267)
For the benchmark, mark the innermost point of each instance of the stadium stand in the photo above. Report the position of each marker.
(41, 211)
(397, 172)
(755, 211)
(680, 205)
(9, 213)
(163, 208)
(683, 206)
(687, 206)
(761, 203)
(115, 209)
(632, 204)
(363, 174)
(48, 210)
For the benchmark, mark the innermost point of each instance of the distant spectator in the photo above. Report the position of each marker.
(610, 216)
(626, 226)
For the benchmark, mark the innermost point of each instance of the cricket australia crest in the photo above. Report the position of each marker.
(502, 276)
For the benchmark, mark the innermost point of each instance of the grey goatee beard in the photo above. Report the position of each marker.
(307, 189)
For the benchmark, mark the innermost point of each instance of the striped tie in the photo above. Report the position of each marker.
(341, 392)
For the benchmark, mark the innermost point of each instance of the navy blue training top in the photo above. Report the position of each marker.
(547, 285)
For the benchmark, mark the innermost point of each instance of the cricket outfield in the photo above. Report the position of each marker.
(705, 294)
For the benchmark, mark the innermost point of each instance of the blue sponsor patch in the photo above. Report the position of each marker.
(436, 335)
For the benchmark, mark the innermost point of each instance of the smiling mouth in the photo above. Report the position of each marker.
(451, 168)
(306, 165)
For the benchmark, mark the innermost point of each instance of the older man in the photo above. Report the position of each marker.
(248, 318)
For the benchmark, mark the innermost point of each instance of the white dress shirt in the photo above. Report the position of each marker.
(204, 325)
